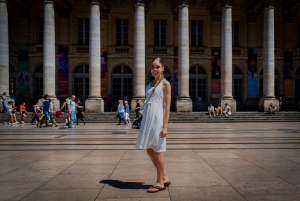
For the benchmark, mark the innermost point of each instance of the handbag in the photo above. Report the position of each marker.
(229, 112)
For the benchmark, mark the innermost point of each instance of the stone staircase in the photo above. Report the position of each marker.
(190, 117)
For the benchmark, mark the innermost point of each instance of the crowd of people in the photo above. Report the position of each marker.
(219, 111)
(45, 113)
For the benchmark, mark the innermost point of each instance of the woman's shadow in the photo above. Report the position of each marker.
(125, 185)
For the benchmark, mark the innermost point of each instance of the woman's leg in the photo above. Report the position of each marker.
(77, 117)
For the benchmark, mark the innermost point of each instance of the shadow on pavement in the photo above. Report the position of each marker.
(125, 185)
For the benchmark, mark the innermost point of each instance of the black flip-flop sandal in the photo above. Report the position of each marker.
(167, 184)
(158, 189)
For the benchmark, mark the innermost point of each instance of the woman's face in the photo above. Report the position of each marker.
(157, 69)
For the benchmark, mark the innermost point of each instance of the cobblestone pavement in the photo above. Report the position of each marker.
(212, 162)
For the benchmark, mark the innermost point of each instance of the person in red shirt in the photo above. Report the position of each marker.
(23, 112)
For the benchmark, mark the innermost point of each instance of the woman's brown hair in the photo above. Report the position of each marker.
(162, 63)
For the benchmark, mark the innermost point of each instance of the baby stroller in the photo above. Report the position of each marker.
(42, 121)
(137, 123)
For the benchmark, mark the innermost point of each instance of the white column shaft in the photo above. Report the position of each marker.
(95, 51)
(268, 57)
(49, 50)
(226, 53)
(4, 50)
(139, 51)
(183, 51)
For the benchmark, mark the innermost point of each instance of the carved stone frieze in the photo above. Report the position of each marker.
(252, 16)
(215, 15)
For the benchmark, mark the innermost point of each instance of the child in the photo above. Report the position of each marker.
(23, 112)
(36, 112)
(126, 117)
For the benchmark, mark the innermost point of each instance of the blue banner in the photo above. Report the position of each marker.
(252, 72)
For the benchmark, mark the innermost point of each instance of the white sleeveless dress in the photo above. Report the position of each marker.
(152, 123)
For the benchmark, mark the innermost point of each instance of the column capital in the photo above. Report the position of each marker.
(268, 3)
(48, 2)
(226, 3)
(182, 3)
(139, 2)
(94, 2)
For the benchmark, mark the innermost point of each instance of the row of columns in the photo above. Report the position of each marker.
(183, 102)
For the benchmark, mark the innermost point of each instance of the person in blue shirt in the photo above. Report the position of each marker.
(45, 108)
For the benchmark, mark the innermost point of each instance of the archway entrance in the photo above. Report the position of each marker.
(198, 88)
(12, 81)
(81, 82)
(38, 82)
(121, 85)
(237, 87)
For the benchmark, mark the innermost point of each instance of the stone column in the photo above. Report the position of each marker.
(268, 58)
(95, 103)
(139, 54)
(183, 101)
(49, 68)
(226, 57)
(4, 51)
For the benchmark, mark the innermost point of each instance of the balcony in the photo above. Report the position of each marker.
(37, 48)
(239, 51)
(81, 49)
(160, 50)
(120, 50)
(278, 52)
(197, 51)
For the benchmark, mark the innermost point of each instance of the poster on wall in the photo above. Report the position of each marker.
(175, 71)
(252, 72)
(23, 69)
(216, 72)
(288, 86)
(104, 73)
(63, 66)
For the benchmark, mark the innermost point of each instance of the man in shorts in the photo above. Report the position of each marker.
(45, 108)
(211, 110)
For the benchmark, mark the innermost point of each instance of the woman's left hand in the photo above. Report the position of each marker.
(163, 132)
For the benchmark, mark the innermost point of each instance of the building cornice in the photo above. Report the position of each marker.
(225, 3)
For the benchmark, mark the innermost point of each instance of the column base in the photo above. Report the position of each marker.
(264, 103)
(133, 103)
(94, 105)
(183, 104)
(230, 101)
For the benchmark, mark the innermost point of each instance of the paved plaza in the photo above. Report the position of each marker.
(98, 162)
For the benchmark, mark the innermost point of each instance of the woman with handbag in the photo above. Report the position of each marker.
(80, 114)
(120, 112)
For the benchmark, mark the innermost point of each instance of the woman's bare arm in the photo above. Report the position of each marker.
(167, 102)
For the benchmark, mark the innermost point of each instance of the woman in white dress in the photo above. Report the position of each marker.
(153, 131)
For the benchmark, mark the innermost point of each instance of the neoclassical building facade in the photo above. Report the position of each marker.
(244, 53)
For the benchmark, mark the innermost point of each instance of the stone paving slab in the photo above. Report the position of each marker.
(202, 164)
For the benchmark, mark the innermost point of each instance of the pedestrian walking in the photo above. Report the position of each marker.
(80, 113)
(137, 109)
(64, 109)
(45, 108)
(4, 101)
(23, 112)
(72, 111)
(36, 112)
(51, 111)
(120, 112)
(153, 131)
